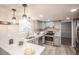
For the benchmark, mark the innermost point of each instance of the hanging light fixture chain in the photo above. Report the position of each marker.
(24, 15)
(13, 13)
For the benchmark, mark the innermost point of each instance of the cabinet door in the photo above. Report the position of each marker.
(36, 40)
(57, 41)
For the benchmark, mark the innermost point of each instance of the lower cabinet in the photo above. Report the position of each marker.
(40, 40)
(57, 41)
(36, 41)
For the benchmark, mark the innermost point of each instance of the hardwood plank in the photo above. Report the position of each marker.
(61, 50)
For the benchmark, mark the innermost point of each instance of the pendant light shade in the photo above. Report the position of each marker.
(14, 18)
(24, 15)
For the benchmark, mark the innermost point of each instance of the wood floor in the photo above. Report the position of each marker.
(3, 52)
(58, 50)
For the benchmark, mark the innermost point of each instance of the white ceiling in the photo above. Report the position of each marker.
(49, 11)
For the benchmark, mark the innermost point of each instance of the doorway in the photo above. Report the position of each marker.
(66, 34)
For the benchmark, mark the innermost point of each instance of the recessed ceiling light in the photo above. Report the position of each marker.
(73, 10)
(41, 15)
(67, 18)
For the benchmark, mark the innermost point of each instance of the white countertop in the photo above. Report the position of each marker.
(14, 49)
(35, 36)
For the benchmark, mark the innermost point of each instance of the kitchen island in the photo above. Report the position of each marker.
(15, 49)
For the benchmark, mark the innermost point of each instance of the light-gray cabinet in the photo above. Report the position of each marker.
(57, 40)
(36, 41)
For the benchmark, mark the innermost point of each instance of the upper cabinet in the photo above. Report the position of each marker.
(41, 25)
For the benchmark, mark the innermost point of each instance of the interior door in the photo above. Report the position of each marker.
(66, 33)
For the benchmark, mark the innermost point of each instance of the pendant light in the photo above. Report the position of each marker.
(24, 16)
(24, 20)
(24, 23)
(14, 18)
